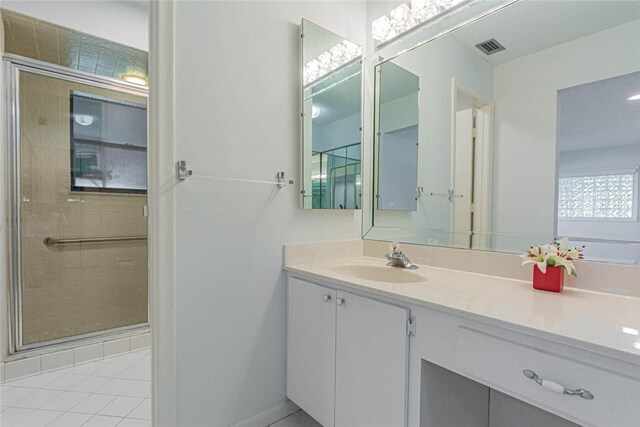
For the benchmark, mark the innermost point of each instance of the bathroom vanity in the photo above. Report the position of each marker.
(490, 127)
(371, 345)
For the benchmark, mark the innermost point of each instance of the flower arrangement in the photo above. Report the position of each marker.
(557, 254)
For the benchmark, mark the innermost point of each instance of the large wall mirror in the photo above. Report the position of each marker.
(331, 120)
(527, 129)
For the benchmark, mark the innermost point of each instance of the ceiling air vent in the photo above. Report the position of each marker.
(490, 46)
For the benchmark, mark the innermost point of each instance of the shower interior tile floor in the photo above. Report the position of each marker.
(114, 391)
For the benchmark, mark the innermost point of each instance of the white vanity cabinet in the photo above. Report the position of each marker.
(347, 356)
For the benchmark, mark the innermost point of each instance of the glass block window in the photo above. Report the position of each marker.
(596, 196)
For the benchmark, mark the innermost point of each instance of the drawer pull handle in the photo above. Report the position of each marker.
(557, 388)
(340, 301)
(326, 297)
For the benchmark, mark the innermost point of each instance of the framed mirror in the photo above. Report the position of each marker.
(331, 118)
(529, 129)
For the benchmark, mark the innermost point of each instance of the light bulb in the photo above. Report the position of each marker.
(337, 55)
(351, 50)
(312, 70)
(401, 19)
(382, 30)
(325, 63)
(315, 112)
(424, 9)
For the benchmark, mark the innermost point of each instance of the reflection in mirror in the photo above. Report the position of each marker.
(529, 130)
(397, 137)
(598, 142)
(331, 120)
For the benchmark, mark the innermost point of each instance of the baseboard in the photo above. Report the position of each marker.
(270, 416)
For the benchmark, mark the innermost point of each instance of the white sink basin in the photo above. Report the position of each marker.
(380, 273)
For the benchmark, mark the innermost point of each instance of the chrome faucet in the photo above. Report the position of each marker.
(397, 258)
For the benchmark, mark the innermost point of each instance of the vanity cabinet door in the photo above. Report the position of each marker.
(371, 363)
(311, 349)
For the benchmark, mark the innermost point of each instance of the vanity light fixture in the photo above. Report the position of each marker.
(315, 112)
(337, 56)
(403, 17)
(634, 97)
(135, 79)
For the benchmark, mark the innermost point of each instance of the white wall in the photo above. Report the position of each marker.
(525, 94)
(339, 133)
(237, 115)
(124, 21)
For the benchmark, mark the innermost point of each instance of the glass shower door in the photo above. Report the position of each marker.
(80, 179)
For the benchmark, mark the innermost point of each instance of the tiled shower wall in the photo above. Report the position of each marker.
(74, 289)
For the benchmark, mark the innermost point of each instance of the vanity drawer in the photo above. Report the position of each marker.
(501, 363)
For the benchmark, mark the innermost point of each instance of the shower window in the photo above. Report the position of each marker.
(108, 145)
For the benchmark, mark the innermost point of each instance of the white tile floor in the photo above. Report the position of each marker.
(298, 419)
(114, 391)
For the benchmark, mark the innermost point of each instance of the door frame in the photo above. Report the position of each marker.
(13, 65)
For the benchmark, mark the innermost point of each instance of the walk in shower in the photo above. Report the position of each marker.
(77, 150)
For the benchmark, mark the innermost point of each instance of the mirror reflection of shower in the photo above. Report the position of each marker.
(336, 178)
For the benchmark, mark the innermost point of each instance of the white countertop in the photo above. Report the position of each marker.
(608, 323)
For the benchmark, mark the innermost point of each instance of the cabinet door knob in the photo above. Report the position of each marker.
(326, 297)
(340, 301)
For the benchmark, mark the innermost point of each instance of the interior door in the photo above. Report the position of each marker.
(371, 363)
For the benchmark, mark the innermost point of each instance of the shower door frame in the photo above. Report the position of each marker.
(13, 66)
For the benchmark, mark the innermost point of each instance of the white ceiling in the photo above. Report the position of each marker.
(530, 26)
(598, 114)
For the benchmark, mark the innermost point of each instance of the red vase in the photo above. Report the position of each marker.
(552, 280)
